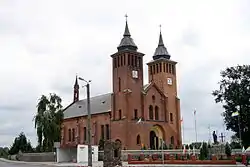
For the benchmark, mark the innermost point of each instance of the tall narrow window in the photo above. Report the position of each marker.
(138, 139)
(172, 139)
(69, 134)
(120, 114)
(156, 113)
(84, 134)
(128, 57)
(119, 84)
(124, 60)
(151, 70)
(118, 61)
(115, 64)
(135, 114)
(171, 117)
(73, 134)
(102, 131)
(151, 114)
(107, 131)
(173, 69)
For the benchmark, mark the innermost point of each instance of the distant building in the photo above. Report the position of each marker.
(115, 115)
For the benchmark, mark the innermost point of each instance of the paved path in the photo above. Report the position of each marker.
(9, 164)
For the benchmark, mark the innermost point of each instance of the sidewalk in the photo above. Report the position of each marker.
(50, 164)
(100, 164)
(31, 163)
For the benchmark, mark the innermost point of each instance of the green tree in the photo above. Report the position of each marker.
(20, 144)
(204, 151)
(4, 152)
(48, 121)
(101, 144)
(234, 94)
(235, 142)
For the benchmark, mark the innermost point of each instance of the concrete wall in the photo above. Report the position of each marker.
(66, 154)
(37, 157)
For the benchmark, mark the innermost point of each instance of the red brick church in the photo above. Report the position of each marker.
(114, 116)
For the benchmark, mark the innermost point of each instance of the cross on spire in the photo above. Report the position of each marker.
(126, 16)
(160, 27)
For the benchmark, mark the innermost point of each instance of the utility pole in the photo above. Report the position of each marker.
(209, 133)
(88, 122)
(195, 125)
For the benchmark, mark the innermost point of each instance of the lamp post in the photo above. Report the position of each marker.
(89, 122)
(238, 119)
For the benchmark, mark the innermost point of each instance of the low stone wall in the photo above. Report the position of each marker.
(178, 159)
(125, 153)
(36, 157)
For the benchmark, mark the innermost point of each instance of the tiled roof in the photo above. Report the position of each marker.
(98, 104)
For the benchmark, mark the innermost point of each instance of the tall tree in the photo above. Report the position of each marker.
(20, 144)
(234, 94)
(48, 121)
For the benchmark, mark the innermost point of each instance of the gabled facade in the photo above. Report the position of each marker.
(116, 115)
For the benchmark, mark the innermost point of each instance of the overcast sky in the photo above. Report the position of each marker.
(44, 43)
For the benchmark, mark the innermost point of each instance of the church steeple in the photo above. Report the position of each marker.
(161, 50)
(76, 91)
(127, 43)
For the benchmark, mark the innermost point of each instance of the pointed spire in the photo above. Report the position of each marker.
(76, 83)
(127, 42)
(126, 32)
(160, 39)
(161, 50)
(76, 91)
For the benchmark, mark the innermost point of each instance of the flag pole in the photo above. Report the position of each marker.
(182, 122)
(195, 125)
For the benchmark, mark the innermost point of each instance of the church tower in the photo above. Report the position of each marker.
(127, 86)
(162, 71)
(76, 91)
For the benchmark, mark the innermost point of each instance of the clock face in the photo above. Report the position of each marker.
(170, 82)
(135, 74)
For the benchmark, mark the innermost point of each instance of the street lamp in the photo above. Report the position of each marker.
(89, 122)
(238, 117)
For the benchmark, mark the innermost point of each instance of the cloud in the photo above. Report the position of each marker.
(43, 44)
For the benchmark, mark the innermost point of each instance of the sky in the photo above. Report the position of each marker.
(44, 44)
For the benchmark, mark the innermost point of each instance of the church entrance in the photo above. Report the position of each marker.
(154, 144)
(155, 137)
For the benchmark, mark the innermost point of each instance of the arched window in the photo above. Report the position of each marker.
(151, 113)
(73, 134)
(172, 140)
(156, 113)
(138, 139)
(153, 98)
(171, 117)
(69, 134)
(119, 84)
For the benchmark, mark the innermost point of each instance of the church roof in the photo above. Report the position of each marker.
(127, 43)
(98, 104)
(161, 50)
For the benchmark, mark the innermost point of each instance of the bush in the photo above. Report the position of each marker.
(171, 146)
(238, 159)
